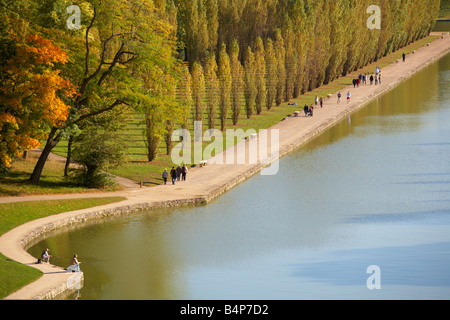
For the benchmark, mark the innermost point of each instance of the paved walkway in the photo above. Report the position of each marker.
(204, 184)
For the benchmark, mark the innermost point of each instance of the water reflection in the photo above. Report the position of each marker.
(372, 190)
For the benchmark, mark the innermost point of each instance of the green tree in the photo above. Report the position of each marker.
(250, 82)
(291, 63)
(162, 112)
(260, 75)
(237, 82)
(212, 15)
(338, 41)
(98, 152)
(321, 52)
(301, 31)
(184, 96)
(280, 54)
(198, 91)
(272, 74)
(193, 28)
(225, 82)
(213, 92)
(119, 39)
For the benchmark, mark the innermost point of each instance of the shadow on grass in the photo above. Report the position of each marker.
(15, 184)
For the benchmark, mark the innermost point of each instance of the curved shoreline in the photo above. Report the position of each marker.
(204, 184)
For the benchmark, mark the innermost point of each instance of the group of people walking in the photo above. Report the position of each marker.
(309, 110)
(363, 78)
(339, 95)
(177, 174)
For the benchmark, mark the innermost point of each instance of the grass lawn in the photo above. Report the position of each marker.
(13, 275)
(445, 10)
(53, 181)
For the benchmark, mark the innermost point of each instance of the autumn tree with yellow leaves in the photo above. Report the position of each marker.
(33, 95)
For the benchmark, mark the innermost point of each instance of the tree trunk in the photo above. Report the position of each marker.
(168, 137)
(69, 156)
(37, 172)
(152, 147)
(151, 140)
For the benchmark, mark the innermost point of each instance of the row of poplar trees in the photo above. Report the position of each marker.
(260, 53)
(175, 61)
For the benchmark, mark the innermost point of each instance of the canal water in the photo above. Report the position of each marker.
(361, 212)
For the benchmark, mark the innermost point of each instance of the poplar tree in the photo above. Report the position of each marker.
(237, 76)
(297, 14)
(225, 82)
(280, 55)
(185, 95)
(213, 92)
(290, 60)
(321, 51)
(198, 91)
(338, 41)
(272, 74)
(212, 16)
(193, 28)
(250, 82)
(260, 76)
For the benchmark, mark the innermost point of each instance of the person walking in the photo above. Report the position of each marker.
(371, 79)
(178, 173)
(165, 175)
(404, 57)
(306, 110)
(184, 171)
(173, 175)
(348, 96)
(339, 98)
(321, 102)
(316, 100)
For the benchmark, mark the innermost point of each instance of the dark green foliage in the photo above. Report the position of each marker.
(96, 152)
